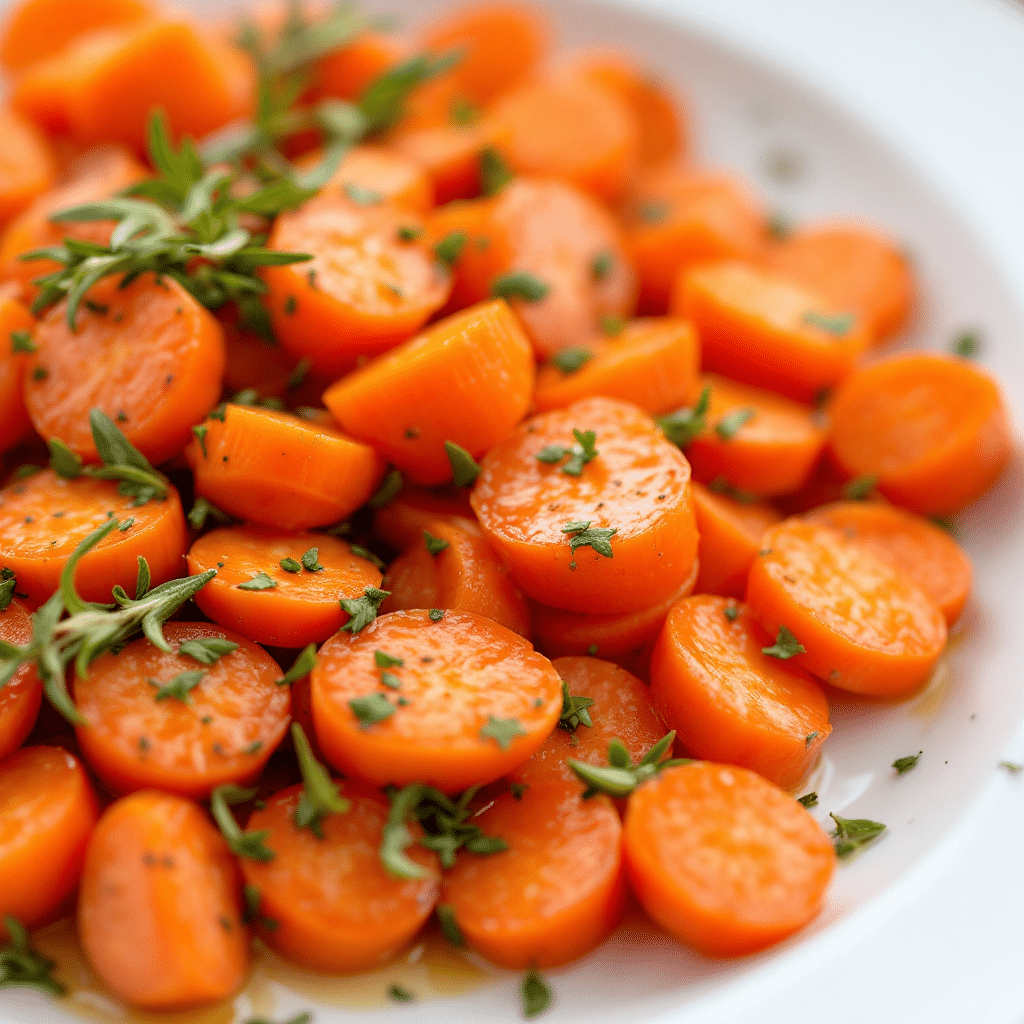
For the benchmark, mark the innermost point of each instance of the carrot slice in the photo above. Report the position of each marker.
(158, 911)
(251, 362)
(292, 609)
(931, 429)
(16, 325)
(535, 904)
(466, 380)
(632, 496)
(45, 517)
(333, 905)
(345, 73)
(723, 860)
(478, 700)
(47, 811)
(374, 173)
(401, 522)
(864, 625)
(21, 697)
(27, 164)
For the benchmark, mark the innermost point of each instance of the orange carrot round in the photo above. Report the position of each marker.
(16, 324)
(21, 697)
(346, 72)
(400, 523)
(28, 164)
(372, 171)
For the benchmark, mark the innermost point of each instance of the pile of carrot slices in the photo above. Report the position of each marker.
(430, 492)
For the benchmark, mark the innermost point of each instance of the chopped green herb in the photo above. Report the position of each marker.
(382, 104)
(943, 523)
(435, 545)
(290, 305)
(502, 730)
(464, 467)
(786, 646)
(246, 844)
(838, 324)
(435, 614)
(361, 552)
(400, 995)
(1011, 767)
(180, 686)
(449, 925)
(495, 173)
(409, 233)
(612, 325)
(388, 490)
(298, 375)
(569, 360)
(449, 249)
(203, 510)
(722, 486)
(727, 426)
(779, 226)
(809, 739)
(582, 452)
(360, 195)
(21, 341)
(966, 345)
(363, 610)
(8, 582)
(683, 425)
(373, 708)
(808, 799)
(601, 265)
(621, 776)
(290, 565)
(311, 561)
(320, 796)
(382, 660)
(63, 461)
(21, 966)
(732, 612)
(261, 581)
(517, 789)
(574, 711)
(584, 535)
(853, 833)
(25, 471)
(653, 212)
(207, 650)
(904, 764)
(534, 993)
(860, 487)
(40, 373)
(390, 680)
(520, 284)
(301, 667)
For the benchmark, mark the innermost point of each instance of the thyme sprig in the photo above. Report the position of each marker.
(320, 796)
(22, 966)
(621, 776)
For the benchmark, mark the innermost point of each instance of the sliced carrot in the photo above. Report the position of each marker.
(298, 608)
(21, 697)
(372, 172)
(723, 860)
(47, 811)
(555, 893)
(44, 517)
(42, 92)
(931, 429)
(28, 166)
(464, 228)
(158, 910)
(16, 325)
(633, 497)
(254, 363)
(400, 523)
(478, 700)
(865, 627)
(466, 380)
(345, 73)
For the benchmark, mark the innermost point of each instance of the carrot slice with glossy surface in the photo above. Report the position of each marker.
(372, 173)
(400, 523)
(27, 164)
(21, 697)
(16, 325)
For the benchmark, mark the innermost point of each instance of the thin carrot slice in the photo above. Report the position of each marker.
(724, 860)
(863, 625)
(555, 893)
(27, 164)
(345, 73)
(400, 523)
(16, 325)
(931, 429)
(158, 910)
(21, 697)
(478, 701)
(372, 173)
(283, 607)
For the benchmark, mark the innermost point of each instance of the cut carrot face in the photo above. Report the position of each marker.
(472, 701)
(652, 363)
(158, 909)
(756, 441)
(597, 521)
(922, 551)
(555, 893)
(931, 429)
(16, 326)
(27, 164)
(333, 905)
(401, 522)
(256, 595)
(377, 174)
(21, 697)
(723, 860)
(850, 618)
(148, 355)
(345, 73)
(763, 329)
(47, 812)
(279, 470)
(465, 380)
(45, 517)
(252, 362)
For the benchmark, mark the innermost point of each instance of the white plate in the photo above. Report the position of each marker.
(744, 111)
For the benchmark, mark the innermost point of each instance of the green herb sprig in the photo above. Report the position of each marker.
(621, 776)
(22, 967)
(247, 844)
(684, 425)
(320, 796)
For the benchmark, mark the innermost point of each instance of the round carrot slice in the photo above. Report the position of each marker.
(27, 164)
(178, 723)
(21, 697)
(555, 893)
(371, 174)
(400, 523)
(614, 533)
(930, 428)
(45, 517)
(478, 701)
(346, 72)
(723, 860)
(333, 905)
(864, 625)
(148, 355)
(16, 324)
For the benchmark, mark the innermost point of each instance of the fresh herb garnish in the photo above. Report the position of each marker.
(361, 195)
(383, 103)
(449, 925)
(363, 610)
(464, 467)
(732, 612)
(21, 966)
(320, 796)
(727, 426)
(21, 341)
(786, 646)
(388, 490)
(582, 452)
(683, 425)
(584, 535)
(520, 284)
(203, 510)
(966, 345)
(612, 325)
(382, 660)
(435, 614)
(621, 776)
(534, 993)
(247, 844)
(502, 730)
(569, 360)
(290, 565)
(838, 324)
(853, 833)
(400, 995)
(449, 249)
(435, 545)
(179, 687)
(371, 709)
(810, 738)
(1011, 767)
(860, 487)
(311, 561)
(601, 265)
(904, 764)
(808, 799)
(653, 212)
(261, 581)
(574, 711)
(8, 583)
(361, 552)
(301, 667)
(495, 173)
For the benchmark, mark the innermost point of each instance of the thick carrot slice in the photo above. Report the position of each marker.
(16, 325)
(763, 329)
(535, 904)
(279, 470)
(923, 552)
(401, 522)
(375, 173)
(724, 860)
(631, 497)
(333, 905)
(478, 700)
(864, 625)
(756, 441)
(158, 910)
(466, 380)
(299, 607)
(148, 355)
(930, 428)
(622, 710)
(44, 518)
(651, 363)
(47, 811)
(345, 73)
(252, 362)
(42, 93)
(21, 697)
(27, 164)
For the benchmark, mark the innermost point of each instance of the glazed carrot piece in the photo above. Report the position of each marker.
(296, 607)
(158, 909)
(723, 860)
(47, 811)
(333, 905)
(826, 484)
(148, 355)
(44, 517)
(652, 363)
(466, 380)
(16, 325)
(27, 164)
(345, 73)
(372, 172)
(535, 904)
(675, 219)
(923, 552)
(401, 522)
(863, 625)
(279, 470)
(730, 538)
(454, 568)
(462, 230)
(251, 362)
(932, 429)
(21, 697)
(602, 528)
(755, 441)
(478, 700)
(763, 329)
(42, 94)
